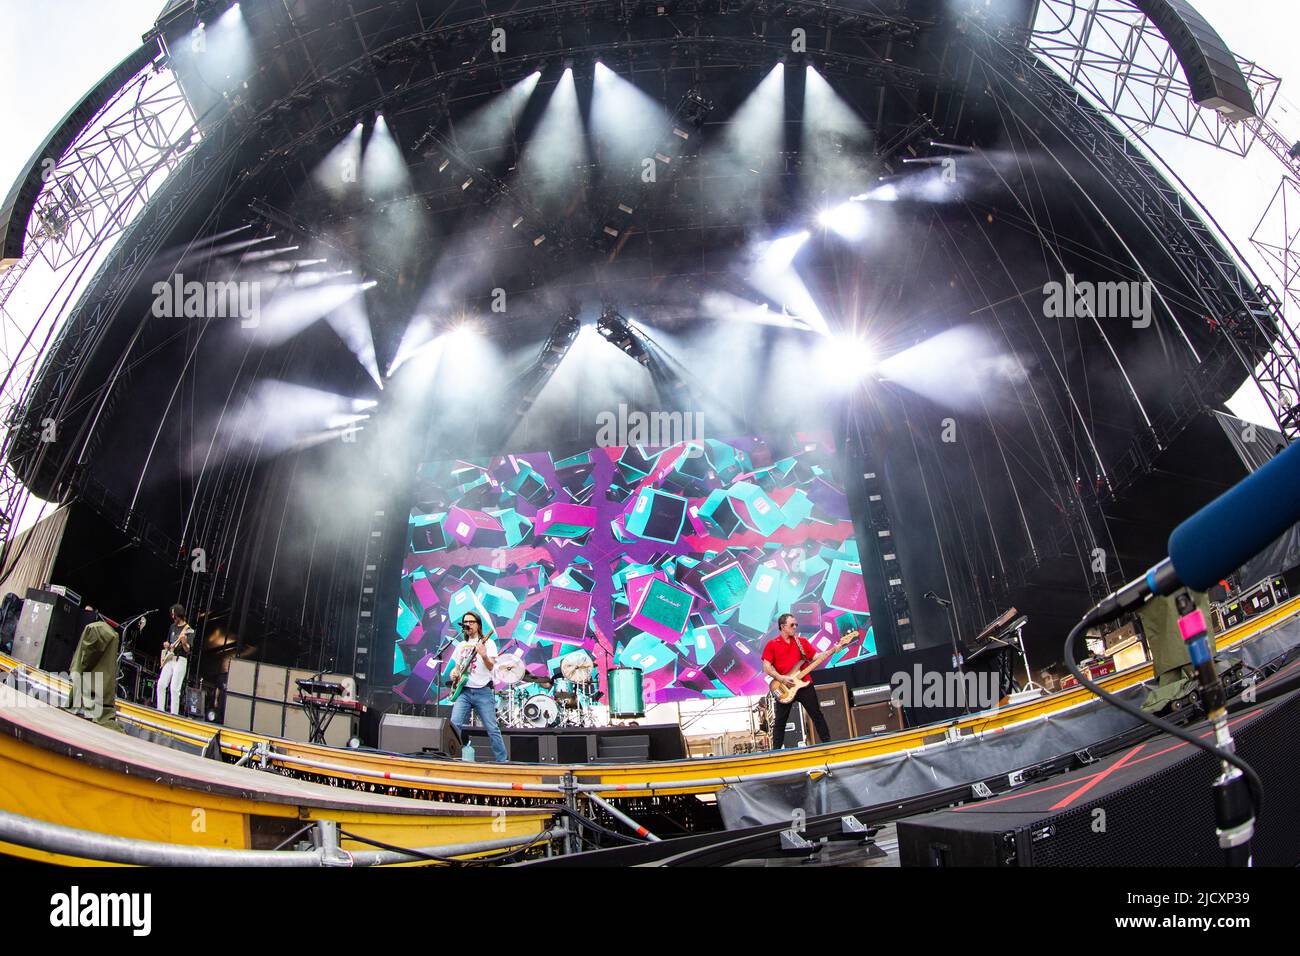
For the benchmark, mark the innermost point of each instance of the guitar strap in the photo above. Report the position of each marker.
(803, 655)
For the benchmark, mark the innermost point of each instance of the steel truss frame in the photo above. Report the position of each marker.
(1245, 311)
(111, 170)
(1111, 53)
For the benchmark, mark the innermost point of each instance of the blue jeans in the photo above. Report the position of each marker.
(484, 703)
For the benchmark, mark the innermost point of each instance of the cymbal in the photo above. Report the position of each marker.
(576, 665)
(509, 670)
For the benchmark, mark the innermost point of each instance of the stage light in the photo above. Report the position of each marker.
(623, 120)
(383, 170)
(291, 311)
(961, 367)
(462, 334)
(757, 127)
(848, 219)
(778, 254)
(844, 360)
(558, 144)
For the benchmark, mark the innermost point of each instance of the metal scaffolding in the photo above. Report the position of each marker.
(1116, 58)
(1111, 52)
(111, 171)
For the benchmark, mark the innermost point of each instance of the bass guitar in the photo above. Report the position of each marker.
(785, 694)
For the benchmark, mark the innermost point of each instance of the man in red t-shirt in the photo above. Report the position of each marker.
(780, 656)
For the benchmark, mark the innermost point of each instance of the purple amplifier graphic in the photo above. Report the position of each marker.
(565, 614)
(654, 558)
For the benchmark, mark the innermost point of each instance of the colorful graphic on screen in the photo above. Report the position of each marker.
(675, 561)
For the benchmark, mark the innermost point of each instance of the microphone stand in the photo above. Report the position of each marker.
(437, 656)
(958, 660)
(1233, 811)
(126, 655)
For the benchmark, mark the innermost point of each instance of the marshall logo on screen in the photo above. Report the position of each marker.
(564, 615)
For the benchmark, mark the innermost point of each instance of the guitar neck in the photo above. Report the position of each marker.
(813, 664)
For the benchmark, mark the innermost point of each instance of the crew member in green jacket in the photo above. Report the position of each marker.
(94, 675)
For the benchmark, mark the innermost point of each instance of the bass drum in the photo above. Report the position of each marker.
(541, 711)
(626, 695)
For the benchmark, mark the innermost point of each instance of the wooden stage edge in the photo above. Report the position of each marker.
(57, 767)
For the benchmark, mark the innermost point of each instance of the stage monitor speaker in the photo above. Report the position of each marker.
(407, 734)
(575, 748)
(1155, 798)
(834, 700)
(48, 630)
(1211, 69)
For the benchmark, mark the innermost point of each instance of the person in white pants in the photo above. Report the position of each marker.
(173, 672)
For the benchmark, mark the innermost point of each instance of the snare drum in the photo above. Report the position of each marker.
(565, 690)
(626, 695)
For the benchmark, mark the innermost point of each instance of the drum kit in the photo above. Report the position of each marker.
(566, 700)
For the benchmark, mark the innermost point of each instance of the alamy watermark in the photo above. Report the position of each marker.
(656, 429)
(212, 299)
(922, 688)
(76, 909)
(86, 693)
(1103, 300)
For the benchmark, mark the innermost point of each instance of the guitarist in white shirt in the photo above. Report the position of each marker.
(781, 656)
(175, 660)
(479, 655)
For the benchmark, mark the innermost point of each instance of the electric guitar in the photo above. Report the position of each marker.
(169, 648)
(466, 667)
(787, 694)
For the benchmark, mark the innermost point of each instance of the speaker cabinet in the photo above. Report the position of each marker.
(238, 714)
(47, 631)
(1215, 79)
(1155, 798)
(407, 734)
(880, 718)
(268, 718)
(834, 700)
(271, 682)
(240, 678)
(575, 748)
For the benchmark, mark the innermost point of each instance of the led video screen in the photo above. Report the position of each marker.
(675, 561)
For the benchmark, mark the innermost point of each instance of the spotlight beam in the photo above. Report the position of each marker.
(289, 222)
(628, 196)
(550, 235)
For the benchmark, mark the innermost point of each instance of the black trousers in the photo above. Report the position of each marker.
(806, 696)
